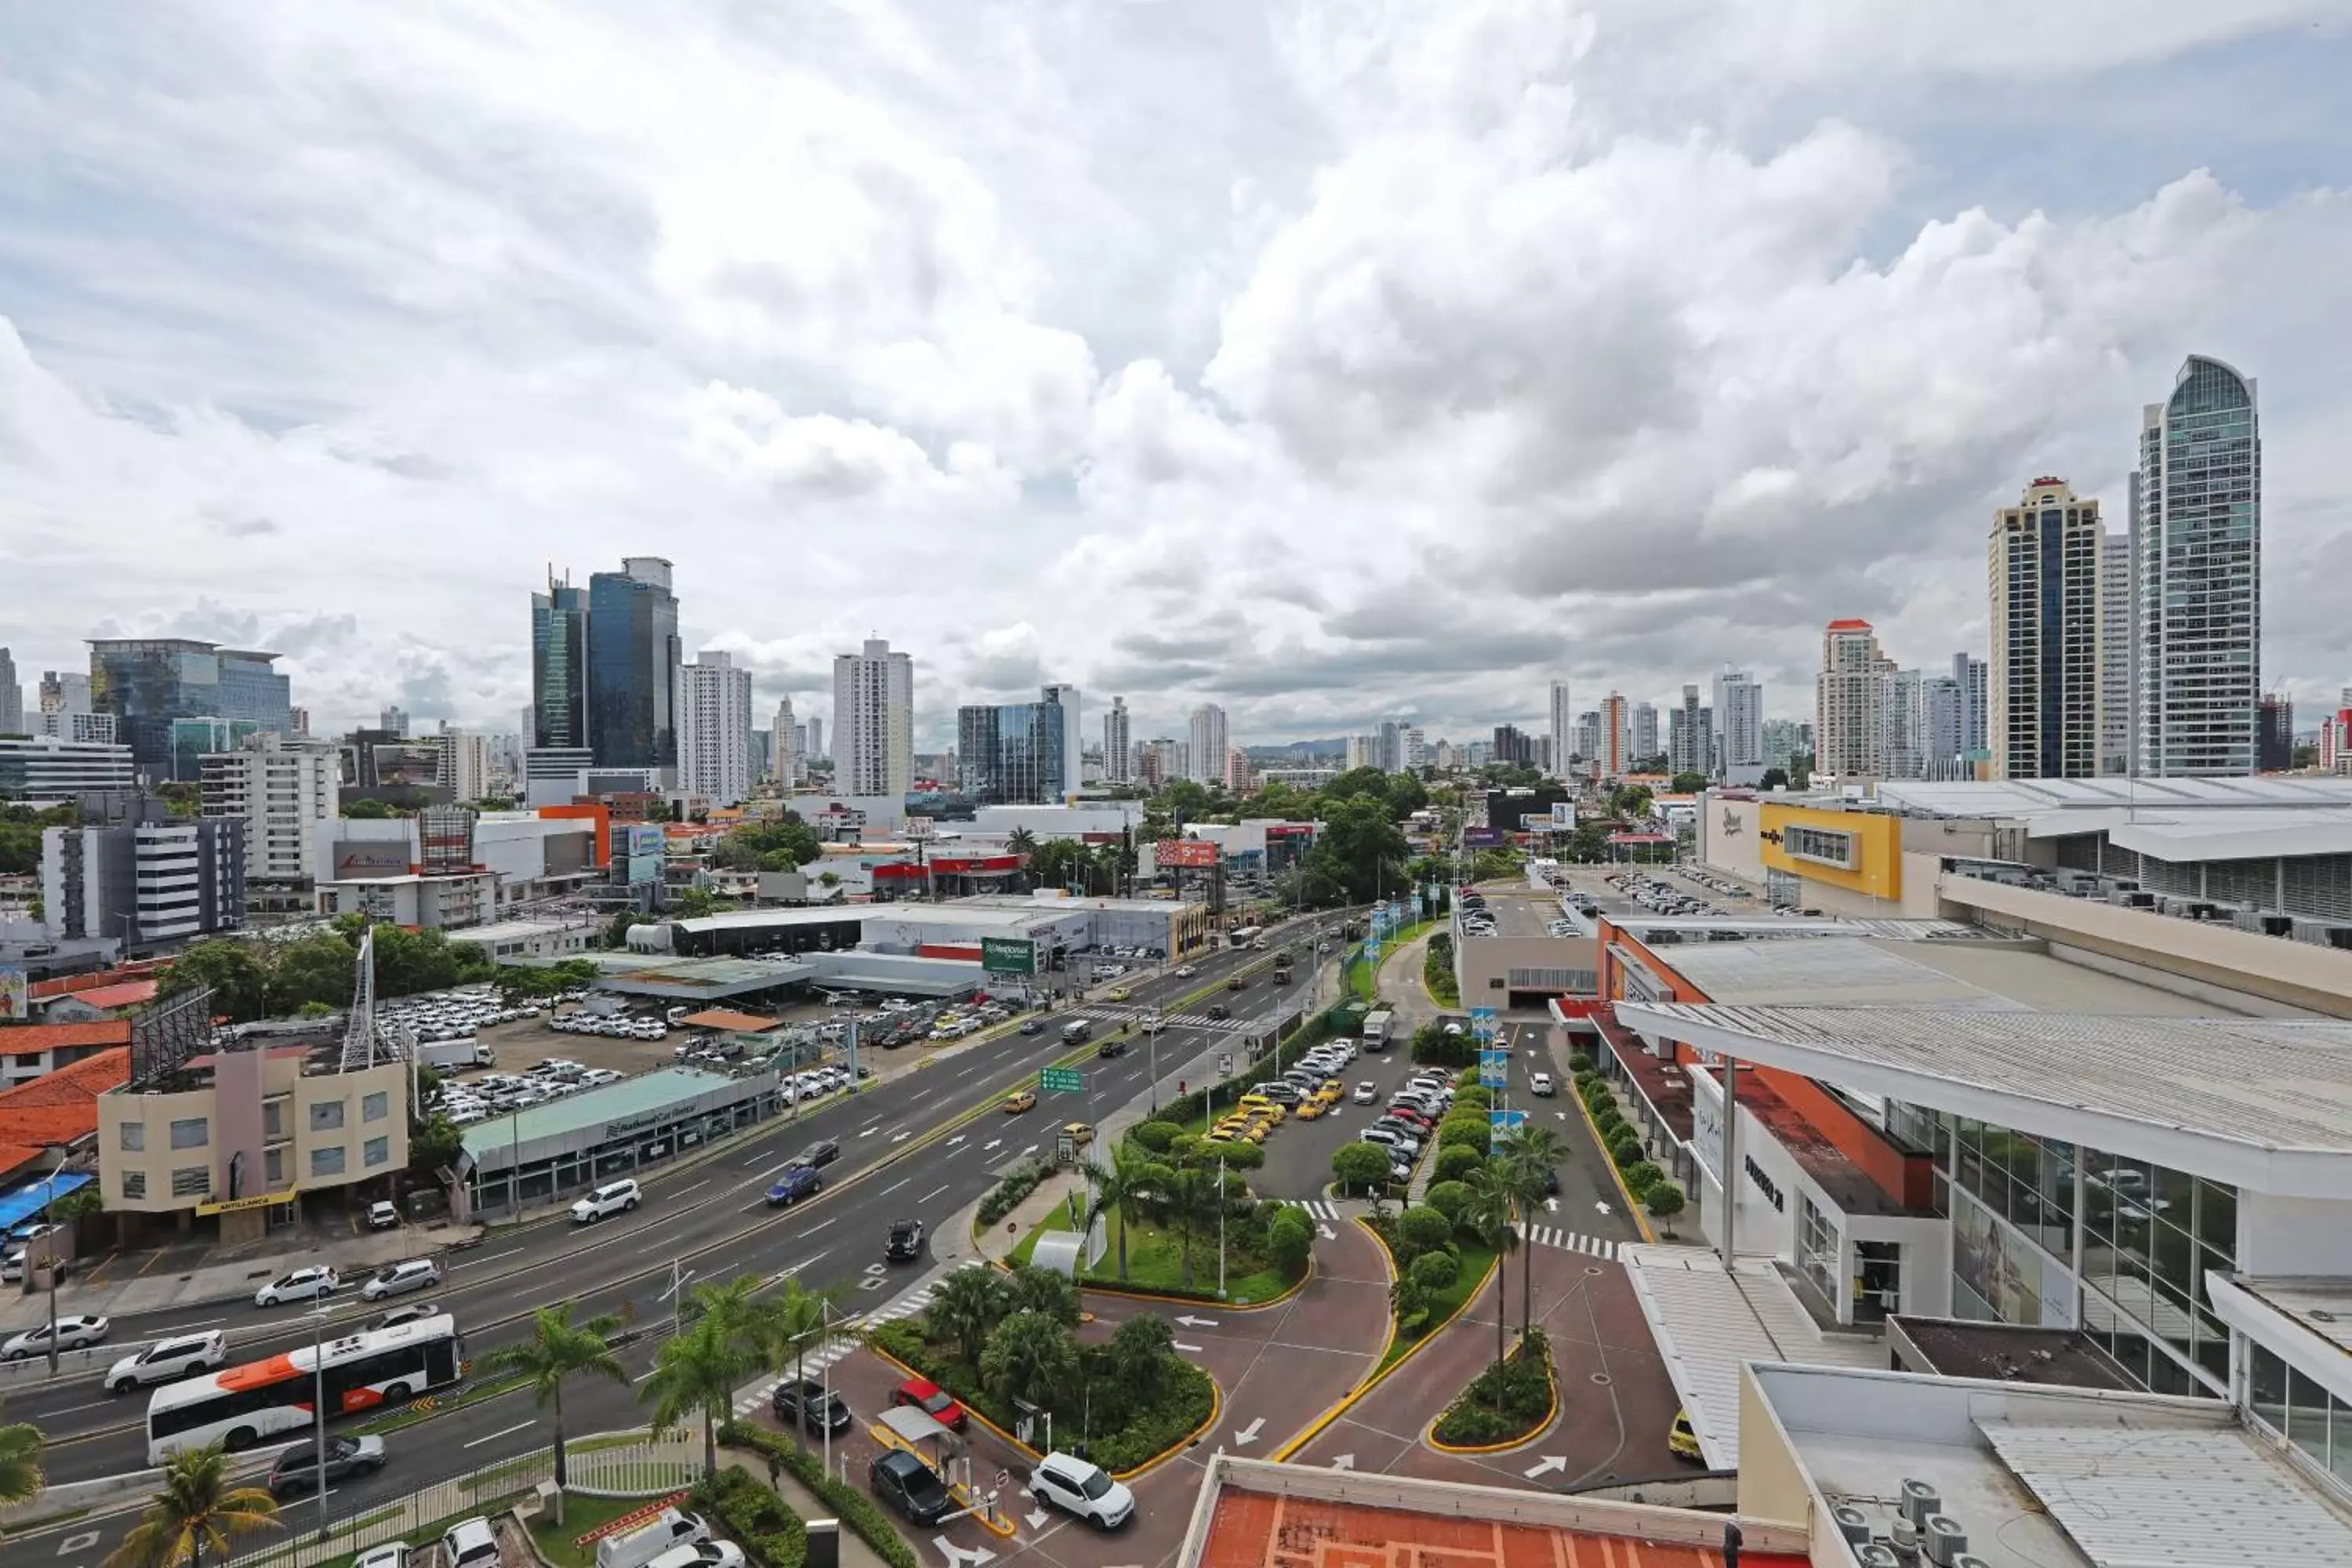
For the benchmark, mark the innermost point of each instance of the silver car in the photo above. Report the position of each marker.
(399, 1279)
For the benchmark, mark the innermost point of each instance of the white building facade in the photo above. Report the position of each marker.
(1850, 700)
(714, 728)
(281, 790)
(1208, 744)
(872, 721)
(784, 740)
(1738, 727)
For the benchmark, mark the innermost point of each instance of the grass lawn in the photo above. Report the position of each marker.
(581, 1515)
(1155, 1261)
(1476, 1260)
(1058, 1220)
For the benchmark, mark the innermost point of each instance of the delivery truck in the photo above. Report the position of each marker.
(467, 1052)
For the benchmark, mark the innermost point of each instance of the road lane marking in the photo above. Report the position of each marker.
(683, 1191)
(819, 1225)
(894, 1186)
(201, 1323)
(935, 1192)
(461, 1263)
(508, 1432)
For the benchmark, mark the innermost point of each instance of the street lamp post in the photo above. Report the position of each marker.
(318, 1316)
(55, 1263)
(1152, 1055)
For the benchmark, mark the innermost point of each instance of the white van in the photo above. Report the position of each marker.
(671, 1528)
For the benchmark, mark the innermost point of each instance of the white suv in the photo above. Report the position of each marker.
(1079, 1487)
(166, 1360)
(468, 1543)
(612, 1198)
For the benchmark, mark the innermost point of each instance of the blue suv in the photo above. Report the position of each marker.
(798, 1182)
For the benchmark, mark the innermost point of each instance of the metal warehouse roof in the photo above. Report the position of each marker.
(2264, 1103)
(593, 1108)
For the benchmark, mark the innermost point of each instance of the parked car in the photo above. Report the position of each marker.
(400, 1279)
(794, 1183)
(905, 1243)
(809, 1404)
(669, 1530)
(903, 1482)
(391, 1555)
(302, 1284)
(700, 1554)
(297, 1469)
(612, 1198)
(932, 1400)
(382, 1216)
(167, 1360)
(73, 1333)
(1082, 1487)
(468, 1543)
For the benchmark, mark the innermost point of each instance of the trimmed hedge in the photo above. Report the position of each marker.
(770, 1534)
(1525, 1388)
(1580, 1062)
(860, 1512)
(1626, 1151)
(1018, 1184)
(1664, 1200)
(1455, 1162)
(1642, 1176)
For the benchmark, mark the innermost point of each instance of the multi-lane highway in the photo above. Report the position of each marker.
(924, 1145)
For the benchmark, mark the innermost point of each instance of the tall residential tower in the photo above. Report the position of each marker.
(872, 721)
(2045, 564)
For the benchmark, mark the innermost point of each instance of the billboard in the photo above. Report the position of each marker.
(359, 857)
(1008, 955)
(1482, 838)
(1189, 852)
(643, 839)
(14, 997)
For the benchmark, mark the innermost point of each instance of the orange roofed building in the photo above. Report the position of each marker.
(57, 1108)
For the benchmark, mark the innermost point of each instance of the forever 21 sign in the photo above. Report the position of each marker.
(1766, 1185)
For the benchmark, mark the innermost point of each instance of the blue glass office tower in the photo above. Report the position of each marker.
(148, 683)
(633, 659)
(559, 665)
(1014, 753)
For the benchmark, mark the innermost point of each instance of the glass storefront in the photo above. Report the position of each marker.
(2299, 1410)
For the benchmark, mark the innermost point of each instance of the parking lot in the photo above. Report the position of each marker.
(1298, 1153)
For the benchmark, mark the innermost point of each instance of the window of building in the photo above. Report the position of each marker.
(1817, 1249)
(378, 1150)
(327, 1161)
(273, 1163)
(376, 1107)
(273, 1118)
(1824, 845)
(326, 1115)
(134, 1183)
(192, 1182)
(134, 1136)
(2150, 1236)
(191, 1133)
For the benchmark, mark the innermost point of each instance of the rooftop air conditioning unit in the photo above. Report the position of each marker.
(1853, 1523)
(1947, 1541)
(1903, 1536)
(1920, 1500)
(1878, 1555)
(2251, 921)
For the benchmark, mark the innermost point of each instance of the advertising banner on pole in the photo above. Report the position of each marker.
(1504, 1120)
(1482, 1022)
(1493, 1069)
(1373, 951)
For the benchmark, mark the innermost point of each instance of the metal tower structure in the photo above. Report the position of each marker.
(359, 1032)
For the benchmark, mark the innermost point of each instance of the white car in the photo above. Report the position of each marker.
(1186, 970)
(1541, 1085)
(612, 1198)
(167, 1360)
(73, 1333)
(1367, 1092)
(1082, 1487)
(399, 1279)
(382, 1216)
(700, 1554)
(302, 1284)
(468, 1543)
(393, 1554)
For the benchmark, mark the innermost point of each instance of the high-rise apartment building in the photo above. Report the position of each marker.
(152, 684)
(2045, 564)
(1240, 776)
(282, 789)
(1941, 752)
(393, 721)
(461, 762)
(1849, 699)
(816, 747)
(785, 740)
(1786, 741)
(1584, 740)
(1972, 677)
(1644, 744)
(1208, 742)
(133, 871)
(1413, 748)
(559, 666)
(1907, 751)
(1016, 753)
(1687, 740)
(714, 728)
(2116, 644)
(1117, 766)
(65, 711)
(2277, 750)
(872, 721)
(1616, 737)
(2197, 548)
(1513, 746)
(1360, 750)
(2336, 737)
(1738, 727)
(1161, 762)
(1561, 727)
(12, 697)
(1072, 769)
(634, 655)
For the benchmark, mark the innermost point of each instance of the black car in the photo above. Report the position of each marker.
(823, 1153)
(1032, 1027)
(808, 1403)
(297, 1469)
(1114, 1046)
(905, 1242)
(1218, 1010)
(907, 1484)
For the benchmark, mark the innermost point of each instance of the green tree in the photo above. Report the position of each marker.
(1687, 782)
(196, 1515)
(1290, 1241)
(368, 810)
(1123, 1187)
(1423, 1229)
(1489, 1216)
(1043, 1292)
(1529, 1154)
(1775, 778)
(1359, 1166)
(558, 1351)
(434, 1143)
(232, 969)
(1187, 1200)
(317, 968)
(795, 1322)
(964, 1307)
(1029, 1356)
(20, 1463)
(1141, 1350)
(697, 1370)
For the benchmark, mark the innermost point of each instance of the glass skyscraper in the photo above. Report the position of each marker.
(148, 683)
(632, 660)
(1014, 753)
(559, 665)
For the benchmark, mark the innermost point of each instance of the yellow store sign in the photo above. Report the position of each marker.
(237, 1206)
(1861, 852)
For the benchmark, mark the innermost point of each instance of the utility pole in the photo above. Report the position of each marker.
(319, 1408)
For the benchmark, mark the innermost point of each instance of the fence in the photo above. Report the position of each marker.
(631, 1466)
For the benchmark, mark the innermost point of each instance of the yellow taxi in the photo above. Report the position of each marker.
(1019, 1100)
(1258, 1105)
(1312, 1105)
(1682, 1442)
(1078, 1133)
(1332, 1090)
(1119, 994)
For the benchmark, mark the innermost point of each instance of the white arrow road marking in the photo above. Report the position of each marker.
(1037, 1518)
(1562, 1114)
(991, 1143)
(1344, 1462)
(1248, 1435)
(1030, 1149)
(1191, 1321)
(958, 1555)
(1327, 1233)
(1602, 1205)
(1551, 1206)
(1545, 1465)
(1172, 1344)
(902, 1137)
(868, 1132)
(956, 1140)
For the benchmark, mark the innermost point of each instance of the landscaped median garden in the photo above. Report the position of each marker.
(1506, 1403)
(991, 1338)
(1641, 1177)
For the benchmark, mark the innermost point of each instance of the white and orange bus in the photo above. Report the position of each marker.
(242, 1405)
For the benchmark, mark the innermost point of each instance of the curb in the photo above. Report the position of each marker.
(1209, 1302)
(1381, 1374)
(1176, 1449)
(1551, 1380)
(1633, 1205)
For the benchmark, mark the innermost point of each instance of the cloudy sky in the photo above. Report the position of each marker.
(1329, 360)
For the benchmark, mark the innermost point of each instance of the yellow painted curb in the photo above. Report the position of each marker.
(1380, 1374)
(1551, 1380)
(1208, 1303)
(1632, 1206)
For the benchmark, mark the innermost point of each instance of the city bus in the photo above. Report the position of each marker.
(1246, 936)
(240, 1406)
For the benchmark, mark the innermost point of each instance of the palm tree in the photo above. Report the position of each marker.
(558, 1350)
(197, 1510)
(1188, 1195)
(1045, 1293)
(697, 1370)
(1140, 1350)
(1530, 1155)
(964, 1307)
(1122, 1188)
(792, 1322)
(734, 1305)
(1489, 1216)
(1030, 1357)
(20, 1463)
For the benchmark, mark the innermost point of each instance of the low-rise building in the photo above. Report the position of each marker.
(281, 790)
(29, 1051)
(134, 871)
(50, 769)
(57, 1110)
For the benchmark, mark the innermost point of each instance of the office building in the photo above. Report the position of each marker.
(280, 789)
(1584, 741)
(633, 655)
(1014, 753)
(2116, 645)
(1972, 677)
(1938, 701)
(298, 722)
(816, 747)
(1513, 747)
(1072, 769)
(2198, 549)
(149, 684)
(714, 728)
(66, 712)
(1208, 743)
(393, 721)
(1644, 744)
(786, 739)
(2276, 752)
(1738, 727)
(1849, 698)
(1413, 748)
(1561, 727)
(45, 768)
(12, 697)
(2045, 564)
(558, 715)
(1786, 741)
(1118, 765)
(460, 763)
(873, 721)
(133, 871)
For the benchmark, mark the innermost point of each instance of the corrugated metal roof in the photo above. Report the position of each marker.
(1848, 968)
(2183, 1499)
(2270, 1084)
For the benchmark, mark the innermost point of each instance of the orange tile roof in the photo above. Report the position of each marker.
(729, 1019)
(58, 1107)
(51, 1036)
(1259, 1529)
(128, 993)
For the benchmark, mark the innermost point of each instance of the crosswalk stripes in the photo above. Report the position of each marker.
(1316, 1208)
(906, 1304)
(1570, 1241)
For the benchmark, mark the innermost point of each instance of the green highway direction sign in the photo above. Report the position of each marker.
(1008, 955)
(1061, 1081)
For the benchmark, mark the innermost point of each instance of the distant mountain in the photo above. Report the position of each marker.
(1301, 753)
